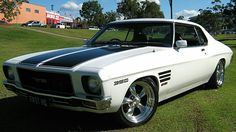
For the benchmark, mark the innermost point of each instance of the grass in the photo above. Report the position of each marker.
(81, 33)
(229, 39)
(200, 109)
(225, 36)
(15, 41)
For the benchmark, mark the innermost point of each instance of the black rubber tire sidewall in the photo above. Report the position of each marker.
(213, 80)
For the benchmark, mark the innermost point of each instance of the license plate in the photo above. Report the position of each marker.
(37, 100)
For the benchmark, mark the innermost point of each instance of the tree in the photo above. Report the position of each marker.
(180, 18)
(150, 10)
(217, 17)
(110, 16)
(129, 8)
(92, 13)
(229, 14)
(209, 20)
(10, 8)
(212, 17)
(135, 9)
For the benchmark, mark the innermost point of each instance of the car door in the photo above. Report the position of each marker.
(191, 67)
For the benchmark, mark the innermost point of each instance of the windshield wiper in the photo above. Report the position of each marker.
(134, 44)
(101, 43)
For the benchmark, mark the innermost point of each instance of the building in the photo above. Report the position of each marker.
(34, 12)
(54, 17)
(29, 12)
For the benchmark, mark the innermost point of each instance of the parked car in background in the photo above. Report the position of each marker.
(2, 22)
(67, 26)
(93, 28)
(126, 69)
(60, 25)
(33, 24)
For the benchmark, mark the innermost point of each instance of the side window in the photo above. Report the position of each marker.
(161, 33)
(187, 32)
(201, 36)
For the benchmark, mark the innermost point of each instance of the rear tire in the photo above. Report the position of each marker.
(139, 104)
(217, 79)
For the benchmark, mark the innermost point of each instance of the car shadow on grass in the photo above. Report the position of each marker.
(199, 88)
(16, 114)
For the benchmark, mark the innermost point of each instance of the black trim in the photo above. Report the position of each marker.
(38, 59)
(164, 80)
(54, 100)
(164, 76)
(5, 69)
(72, 57)
(167, 75)
(164, 72)
(80, 57)
(46, 82)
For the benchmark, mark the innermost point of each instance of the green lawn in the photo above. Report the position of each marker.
(81, 33)
(198, 110)
(229, 39)
(225, 36)
(15, 41)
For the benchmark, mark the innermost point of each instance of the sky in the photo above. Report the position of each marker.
(186, 8)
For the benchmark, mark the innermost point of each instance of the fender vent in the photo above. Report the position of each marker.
(164, 76)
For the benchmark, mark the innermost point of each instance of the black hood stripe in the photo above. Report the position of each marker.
(72, 60)
(38, 59)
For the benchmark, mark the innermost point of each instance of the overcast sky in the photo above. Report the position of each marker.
(186, 8)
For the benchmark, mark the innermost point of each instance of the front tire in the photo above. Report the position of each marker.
(217, 79)
(140, 103)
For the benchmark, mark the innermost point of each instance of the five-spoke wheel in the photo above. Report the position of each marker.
(139, 103)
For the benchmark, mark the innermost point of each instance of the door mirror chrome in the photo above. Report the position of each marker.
(181, 43)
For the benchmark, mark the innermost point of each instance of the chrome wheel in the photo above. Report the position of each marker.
(217, 78)
(220, 74)
(139, 102)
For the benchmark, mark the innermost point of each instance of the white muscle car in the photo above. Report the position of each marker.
(126, 68)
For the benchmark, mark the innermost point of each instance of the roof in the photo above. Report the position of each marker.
(155, 20)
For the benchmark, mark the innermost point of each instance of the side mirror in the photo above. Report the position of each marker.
(181, 43)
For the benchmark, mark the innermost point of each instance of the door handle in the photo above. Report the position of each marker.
(202, 49)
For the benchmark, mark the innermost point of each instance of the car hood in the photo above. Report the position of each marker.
(106, 62)
(73, 58)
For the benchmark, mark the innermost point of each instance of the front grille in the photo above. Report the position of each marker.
(46, 82)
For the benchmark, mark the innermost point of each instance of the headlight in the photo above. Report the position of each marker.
(91, 85)
(9, 73)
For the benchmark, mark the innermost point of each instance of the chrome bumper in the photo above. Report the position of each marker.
(73, 101)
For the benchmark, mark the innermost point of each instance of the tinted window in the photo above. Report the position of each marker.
(193, 35)
(154, 34)
(201, 36)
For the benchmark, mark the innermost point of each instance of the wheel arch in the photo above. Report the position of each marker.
(223, 60)
(154, 79)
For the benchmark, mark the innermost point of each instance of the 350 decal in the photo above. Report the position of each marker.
(121, 81)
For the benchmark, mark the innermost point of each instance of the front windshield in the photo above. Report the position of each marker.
(136, 34)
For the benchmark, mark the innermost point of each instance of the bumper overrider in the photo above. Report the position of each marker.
(86, 102)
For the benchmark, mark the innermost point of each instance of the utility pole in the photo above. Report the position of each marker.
(171, 9)
(52, 7)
